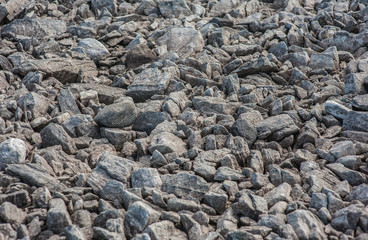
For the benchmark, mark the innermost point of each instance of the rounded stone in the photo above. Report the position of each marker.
(117, 115)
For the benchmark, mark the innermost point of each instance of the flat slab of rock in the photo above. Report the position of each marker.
(263, 64)
(353, 177)
(148, 83)
(356, 121)
(184, 41)
(215, 105)
(34, 175)
(37, 28)
(54, 134)
(183, 184)
(63, 69)
(106, 94)
(276, 127)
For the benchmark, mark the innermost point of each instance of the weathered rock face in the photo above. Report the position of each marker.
(177, 119)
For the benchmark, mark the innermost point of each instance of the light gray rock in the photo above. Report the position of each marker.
(10, 213)
(354, 83)
(146, 177)
(174, 8)
(72, 232)
(184, 41)
(306, 225)
(138, 217)
(117, 115)
(13, 150)
(149, 82)
(163, 229)
(166, 142)
(342, 149)
(280, 193)
(67, 102)
(93, 48)
(176, 205)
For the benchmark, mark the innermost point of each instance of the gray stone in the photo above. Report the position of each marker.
(166, 142)
(226, 173)
(110, 167)
(356, 121)
(184, 41)
(280, 193)
(117, 137)
(217, 201)
(354, 83)
(184, 184)
(149, 82)
(10, 213)
(215, 105)
(93, 48)
(35, 103)
(37, 28)
(63, 69)
(117, 115)
(176, 205)
(263, 64)
(353, 177)
(54, 134)
(347, 218)
(359, 193)
(174, 8)
(67, 102)
(318, 200)
(148, 121)
(336, 109)
(34, 175)
(164, 229)
(306, 225)
(360, 102)
(19, 198)
(98, 5)
(250, 205)
(341, 149)
(139, 55)
(58, 217)
(243, 129)
(42, 196)
(13, 150)
(72, 232)
(350, 161)
(146, 177)
(81, 125)
(276, 127)
(138, 217)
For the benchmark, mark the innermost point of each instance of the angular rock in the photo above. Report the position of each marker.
(243, 129)
(67, 102)
(9, 213)
(139, 55)
(306, 225)
(58, 217)
(138, 217)
(161, 230)
(276, 127)
(146, 177)
(54, 134)
(174, 8)
(148, 121)
(166, 142)
(263, 64)
(353, 177)
(93, 48)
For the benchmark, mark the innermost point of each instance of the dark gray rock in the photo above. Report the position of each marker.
(347, 218)
(353, 177)
(243, 129)
(174, 8)
(67, 102)
(276, 127)
(139, 55)
(161, 230)
(166, 142)
(336, 109)
(217, 201)
(263, 64)
(354, 83)
(54, 134)
(58, 217)
(147, 121)
(72, 232)
(117, 115)
(176, 205)
(356, 121)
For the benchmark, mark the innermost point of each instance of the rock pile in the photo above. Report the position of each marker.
(174, 119)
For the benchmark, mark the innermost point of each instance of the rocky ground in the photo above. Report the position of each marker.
(173, 119)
